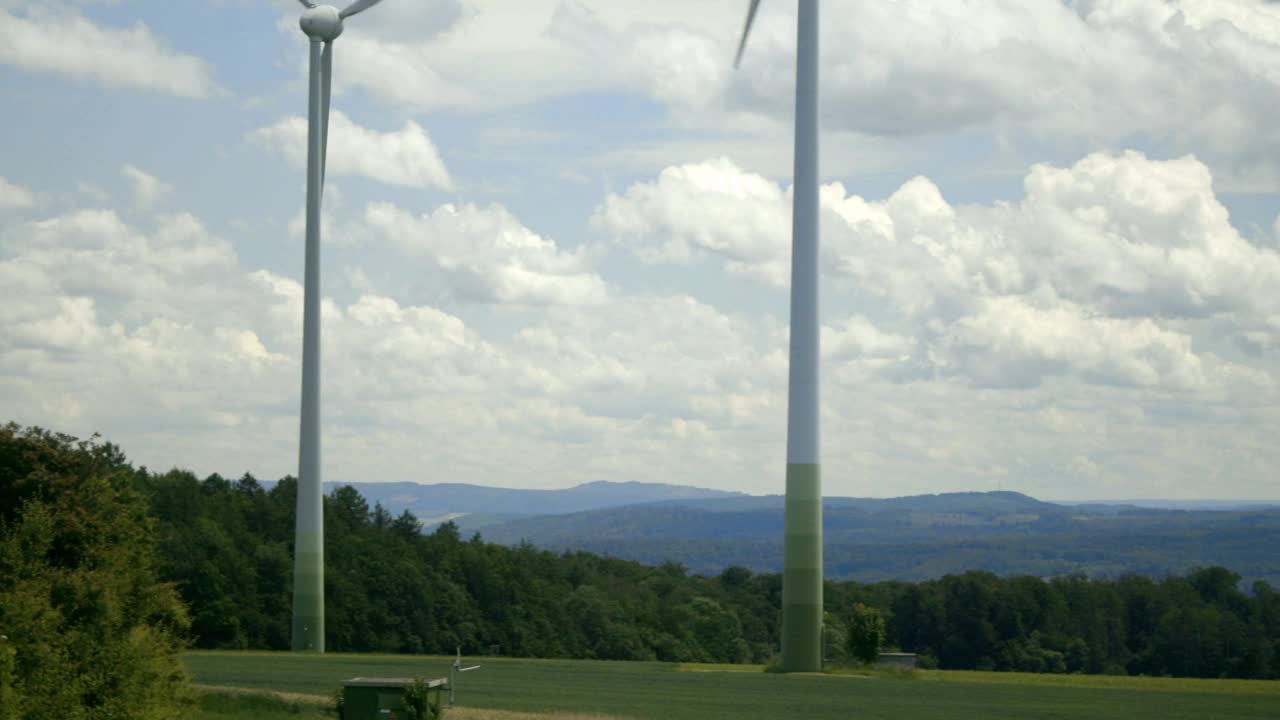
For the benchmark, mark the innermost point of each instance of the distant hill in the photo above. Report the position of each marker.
(759, 518)
(868, 539)
(1187, 504)
(920, 537)
(476, 506)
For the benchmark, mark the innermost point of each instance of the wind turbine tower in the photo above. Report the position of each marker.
(802, 541)
(322, 25)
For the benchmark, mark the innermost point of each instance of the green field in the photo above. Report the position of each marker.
(667, 691)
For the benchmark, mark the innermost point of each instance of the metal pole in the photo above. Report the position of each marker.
(308, 552)
(453, 673)
(802, 542)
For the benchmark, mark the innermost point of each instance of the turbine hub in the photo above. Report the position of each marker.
(321, 23)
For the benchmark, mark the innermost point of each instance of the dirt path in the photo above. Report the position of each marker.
(299, 698)
(466, 713)
(451, 713)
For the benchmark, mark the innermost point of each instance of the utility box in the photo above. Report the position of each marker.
(380, 698)
(374, 698)
(897, 660)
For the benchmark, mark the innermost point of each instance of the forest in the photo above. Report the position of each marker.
(224, 546)
(391, 588)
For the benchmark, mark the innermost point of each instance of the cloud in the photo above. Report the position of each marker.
(66, 42)
(1105, 331)
(95, 255)
(336, 228)
(673, 62)
(1103, 69)
(415, 21)
(1189, 74)
(1194, 74)
(1106, 270)
(501, 55)
(694, 210)
(147, 188)
(15, 196)
(157, 334)
(406, 157)
(1011, 343)
(194, 347)
(1136, 236)
(401, 73)
(487, 255)
(858, 337)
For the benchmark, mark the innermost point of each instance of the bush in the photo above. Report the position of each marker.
(865, 633)
(92, 633)
(835, 640)
(338, 702)
(8, 698)
(418, 702)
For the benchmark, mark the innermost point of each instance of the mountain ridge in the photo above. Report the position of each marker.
(430, 500)
(911, 537)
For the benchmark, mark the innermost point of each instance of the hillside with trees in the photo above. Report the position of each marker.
(225, 547)
(393, 589)
(921, 537)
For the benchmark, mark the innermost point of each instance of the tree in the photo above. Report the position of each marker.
(835, 639)
(92, 633)
(717, 631)
(865, 632)
(8, 696)
(970, 641)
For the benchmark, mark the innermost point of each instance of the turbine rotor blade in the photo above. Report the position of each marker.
(308, 4)
(326, 86)
(746, 30)
(358, 6)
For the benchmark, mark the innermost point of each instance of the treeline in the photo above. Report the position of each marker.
(1198, 625)
(107, 571)
(390, 588)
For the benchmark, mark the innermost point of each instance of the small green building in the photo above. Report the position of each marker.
(379, 698)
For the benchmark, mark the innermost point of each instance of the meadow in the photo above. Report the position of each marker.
(690, 692)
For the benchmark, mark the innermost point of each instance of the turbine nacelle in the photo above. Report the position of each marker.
(322, 23)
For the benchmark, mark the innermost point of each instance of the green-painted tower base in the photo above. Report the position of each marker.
(802, 573)
(308, 595)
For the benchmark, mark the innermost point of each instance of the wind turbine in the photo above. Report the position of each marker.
(802, 534)
(322, 24)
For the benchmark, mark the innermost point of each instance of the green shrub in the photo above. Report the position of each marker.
(418, 701)
(865, 632)
(338, 702)
(92, 633)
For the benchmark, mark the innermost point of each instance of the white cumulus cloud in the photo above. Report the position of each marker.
(1192, 74)
(1106, 270)
(405, 157)
(13, 195)
(66, 42)
(487, 254)
(706, 208)
(147, 188)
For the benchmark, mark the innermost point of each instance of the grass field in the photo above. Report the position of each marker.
(666, 691)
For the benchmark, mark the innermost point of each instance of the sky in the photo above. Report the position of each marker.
(557, 241)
